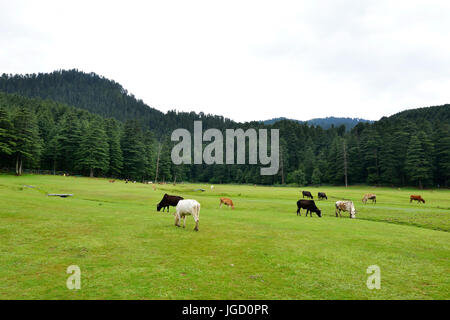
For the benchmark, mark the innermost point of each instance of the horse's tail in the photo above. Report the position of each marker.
(197, 210)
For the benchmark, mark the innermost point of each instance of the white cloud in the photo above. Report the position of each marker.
(243, 59)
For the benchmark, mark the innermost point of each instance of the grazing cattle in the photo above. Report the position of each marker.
(322, 195)
(369, 196)
(345, 206)
(310, 206)
(112, 181)
(227, 201)
(307, 194)
(168, 201)
(186, 208)
(418, 198)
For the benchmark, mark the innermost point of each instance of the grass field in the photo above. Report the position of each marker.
(260, 250)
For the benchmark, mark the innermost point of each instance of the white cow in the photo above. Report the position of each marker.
(345, 206)
(185, 208)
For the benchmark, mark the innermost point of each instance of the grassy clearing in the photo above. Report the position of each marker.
(260, 250)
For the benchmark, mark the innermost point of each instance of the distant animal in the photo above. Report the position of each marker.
(212, 187)
(227, 201)
(322, 195)
(310, 206)
(112, 181)
(369, 196)
(185, 208)
(345, 206)
(417, 198)
(307, 194)
(168, 201)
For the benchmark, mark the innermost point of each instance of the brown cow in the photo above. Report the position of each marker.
(112, 181)
(168, 201)
(307, 194)
(418, 198)
(227, 201)
(310, 206)
(369, 196)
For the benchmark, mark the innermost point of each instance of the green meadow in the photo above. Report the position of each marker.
(261, 250)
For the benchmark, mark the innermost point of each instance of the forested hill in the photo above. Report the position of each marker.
(325, 123)
(101, 96)
(438, 113)
(109, 99)
(411, 148)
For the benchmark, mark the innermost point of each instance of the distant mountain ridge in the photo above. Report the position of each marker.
(410, 148)
(325, 123)
(101, 96)
(109, 99)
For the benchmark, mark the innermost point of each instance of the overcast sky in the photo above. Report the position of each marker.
(246, 60)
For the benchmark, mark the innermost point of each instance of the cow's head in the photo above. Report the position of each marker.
(319, 213)
(353, 213)
(158, 207)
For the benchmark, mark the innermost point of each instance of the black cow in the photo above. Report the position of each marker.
(167, 201)
(322, 195)
(307, 194)
(310, 206)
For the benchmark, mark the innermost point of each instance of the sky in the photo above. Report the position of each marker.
(245, 60)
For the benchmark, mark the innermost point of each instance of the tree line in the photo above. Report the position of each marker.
(411, 148)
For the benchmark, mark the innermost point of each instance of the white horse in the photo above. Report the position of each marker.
(185, 208)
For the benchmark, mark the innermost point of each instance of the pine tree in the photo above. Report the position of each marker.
(93, 153)
(69, 140)
(52, 150)
(26, 138)
(335, 171)
(356, 173)
(331, 168)
(297, 177)
(442, 153)
(114, 149)
(165, 162)
(151, 146)
(417, 166)
(316, 176)
(309, 160)
(388, 170)
(133, 148)
(370, 151)
(6, 133)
